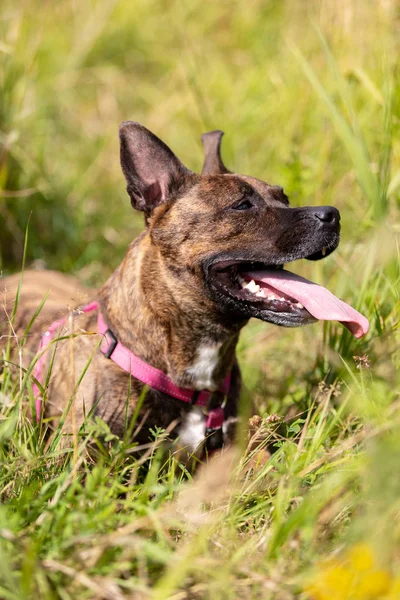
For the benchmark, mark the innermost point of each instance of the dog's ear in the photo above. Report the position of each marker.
(152, 171)
(213, 164)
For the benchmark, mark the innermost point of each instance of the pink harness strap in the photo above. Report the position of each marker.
(46, 338)
(132, 364)
(153, 377)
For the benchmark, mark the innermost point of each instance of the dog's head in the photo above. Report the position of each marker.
(223, 235)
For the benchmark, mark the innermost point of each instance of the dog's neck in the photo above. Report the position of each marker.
(186, 340)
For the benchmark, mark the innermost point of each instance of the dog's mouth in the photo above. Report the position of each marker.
(270, 293)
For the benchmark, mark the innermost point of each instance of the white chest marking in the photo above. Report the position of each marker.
(193, 430)
(204, 366)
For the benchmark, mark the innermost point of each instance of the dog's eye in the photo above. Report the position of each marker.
(243, 205)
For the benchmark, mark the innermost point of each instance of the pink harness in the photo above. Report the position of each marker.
(132, 364)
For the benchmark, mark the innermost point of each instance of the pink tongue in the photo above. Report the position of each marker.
(316, 299)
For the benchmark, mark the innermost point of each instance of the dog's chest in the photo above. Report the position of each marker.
(203, 369)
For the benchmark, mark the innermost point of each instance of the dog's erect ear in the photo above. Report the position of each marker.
(151, 169)
(213, 164)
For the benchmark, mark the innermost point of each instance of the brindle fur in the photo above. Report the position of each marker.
(160, 302)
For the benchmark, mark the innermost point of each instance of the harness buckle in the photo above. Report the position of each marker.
(112, 343)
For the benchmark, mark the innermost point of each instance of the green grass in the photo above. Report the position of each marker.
(308, 94)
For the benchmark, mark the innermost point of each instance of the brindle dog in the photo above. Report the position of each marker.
(177, 300)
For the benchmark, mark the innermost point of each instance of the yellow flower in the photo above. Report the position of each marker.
(353, 576)
(331, 583)
(361, 557)
(371, 585)
(394, 591)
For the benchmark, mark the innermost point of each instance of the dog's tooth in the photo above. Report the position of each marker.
(250, 283)
(323, 251)
(252, 286)
(299, 305)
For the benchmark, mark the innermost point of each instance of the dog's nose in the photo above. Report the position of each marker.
(327, 214)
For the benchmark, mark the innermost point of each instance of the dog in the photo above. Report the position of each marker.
(210, 258)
